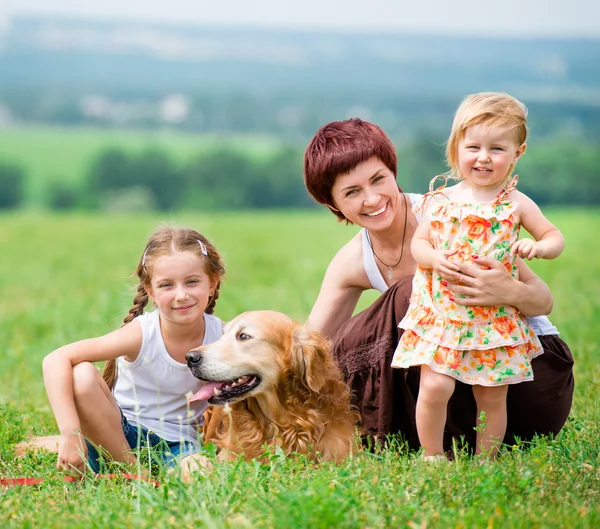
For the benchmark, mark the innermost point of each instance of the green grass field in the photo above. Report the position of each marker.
(66, 277)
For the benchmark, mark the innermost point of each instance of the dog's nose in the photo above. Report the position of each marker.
(193, 358)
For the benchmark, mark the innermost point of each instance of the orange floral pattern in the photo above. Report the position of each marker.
(485, 346)
(478, 229)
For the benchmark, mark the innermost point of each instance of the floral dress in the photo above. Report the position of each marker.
(486, 346)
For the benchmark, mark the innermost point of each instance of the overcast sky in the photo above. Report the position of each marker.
(466, 17)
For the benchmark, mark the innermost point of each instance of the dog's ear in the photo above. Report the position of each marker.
(310, 356)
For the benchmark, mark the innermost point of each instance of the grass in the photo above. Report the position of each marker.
(65, 277)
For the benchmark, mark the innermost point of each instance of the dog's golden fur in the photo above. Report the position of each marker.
(301, 403)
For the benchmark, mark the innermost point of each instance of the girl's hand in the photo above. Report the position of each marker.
(72, 453)
(526, 249)
(443, 266)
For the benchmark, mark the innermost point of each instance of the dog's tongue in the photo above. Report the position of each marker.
(206, 392)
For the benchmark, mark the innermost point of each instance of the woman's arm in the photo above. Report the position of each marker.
(58, 379)
(488, 283)
(339, 294)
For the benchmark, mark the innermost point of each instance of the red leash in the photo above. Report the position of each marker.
(16, 482)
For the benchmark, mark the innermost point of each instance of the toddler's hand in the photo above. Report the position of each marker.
(443, 266)
(526, 249)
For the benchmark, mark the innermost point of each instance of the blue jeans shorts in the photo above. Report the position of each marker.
(139, 438)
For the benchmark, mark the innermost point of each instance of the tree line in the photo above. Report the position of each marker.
(551, 172)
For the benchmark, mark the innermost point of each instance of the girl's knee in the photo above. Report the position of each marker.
(86, 379)
(435, 386)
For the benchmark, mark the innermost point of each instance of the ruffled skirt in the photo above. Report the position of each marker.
(492, 353)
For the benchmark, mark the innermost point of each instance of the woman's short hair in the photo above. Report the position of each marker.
(336, 149)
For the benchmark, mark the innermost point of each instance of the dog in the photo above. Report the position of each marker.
(272, 382)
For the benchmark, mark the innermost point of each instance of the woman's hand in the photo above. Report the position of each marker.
(487, 283)
(72, 453)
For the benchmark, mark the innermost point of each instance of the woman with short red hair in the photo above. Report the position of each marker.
(351, 167)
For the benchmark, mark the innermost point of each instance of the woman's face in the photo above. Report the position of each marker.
(368, 195)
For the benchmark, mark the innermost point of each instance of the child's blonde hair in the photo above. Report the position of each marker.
(165, 241)
(493, 109)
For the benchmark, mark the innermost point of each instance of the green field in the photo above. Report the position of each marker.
(55, 154)
(66, 277)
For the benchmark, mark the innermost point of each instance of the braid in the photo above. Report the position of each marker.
(109, 373)
(139, 303)
(212, 301)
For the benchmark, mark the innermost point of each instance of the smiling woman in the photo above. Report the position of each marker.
(350, 167)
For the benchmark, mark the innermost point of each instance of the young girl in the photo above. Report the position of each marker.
(141, 398)
(487, 347)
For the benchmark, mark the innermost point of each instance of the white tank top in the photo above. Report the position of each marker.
(153, 390)
(540, 324)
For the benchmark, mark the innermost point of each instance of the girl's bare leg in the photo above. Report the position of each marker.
(99, 416)
(47, 442)
(492, 401)
(99, 412)
(435, 391)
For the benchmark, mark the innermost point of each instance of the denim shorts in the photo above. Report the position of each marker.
(149, 447)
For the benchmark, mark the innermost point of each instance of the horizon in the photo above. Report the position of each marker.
(464, 18)
(316, 30)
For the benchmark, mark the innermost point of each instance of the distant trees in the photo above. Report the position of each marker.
(561, 172)
(12, 186)
(551, 172)
(223, 178)
(419, 160)
(117, 180)
(62, 196)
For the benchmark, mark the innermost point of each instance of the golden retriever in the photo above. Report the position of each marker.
(272, 382)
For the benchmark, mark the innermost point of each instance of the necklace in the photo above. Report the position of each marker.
(389, 267)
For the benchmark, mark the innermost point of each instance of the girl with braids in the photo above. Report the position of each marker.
(141, 398)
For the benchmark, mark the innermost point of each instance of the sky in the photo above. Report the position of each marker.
(456, 17)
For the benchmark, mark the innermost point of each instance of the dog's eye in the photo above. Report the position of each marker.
(243, 336)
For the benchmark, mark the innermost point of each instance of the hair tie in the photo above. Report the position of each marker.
(202, 247)
(144, 256)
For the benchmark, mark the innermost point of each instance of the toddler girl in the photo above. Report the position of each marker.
(487, 347)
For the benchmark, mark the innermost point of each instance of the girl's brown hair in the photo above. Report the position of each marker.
(165, 241)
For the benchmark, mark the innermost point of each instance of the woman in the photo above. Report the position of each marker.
(350, 167)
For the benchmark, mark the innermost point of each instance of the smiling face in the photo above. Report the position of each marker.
(180, 288)
(368, 195)
(487, 156)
